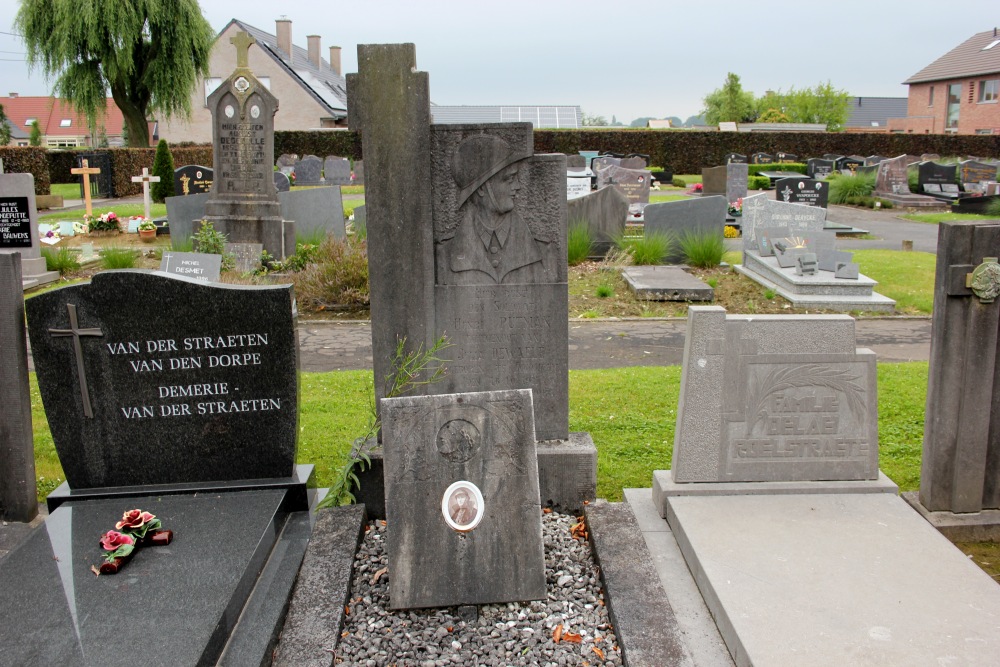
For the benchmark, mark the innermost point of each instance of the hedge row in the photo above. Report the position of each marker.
(125, 163)
(754, 169)
(27, 160)
(342, 143)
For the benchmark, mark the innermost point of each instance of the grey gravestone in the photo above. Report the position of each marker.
(702, 215)
(809, 191)
(576, 162)
(190, 383)
(786, 157)
(633, 163)
(972, 171)
(759, 212)
(184, 214)
(244, 204)
(605, 161)
(246, 255)
(632, 183)
(829, 258)
(192, 179)
(361, 220)
(960, 469)
(892, 177)
(309, 171)
(198, 266)
(775, 398)
(359, 172)
(461, 487)
(19, 228)
(713, 180)
(281, 183)
(929, 157)
(819, 169)
(761, 158)
(934, 173)
(316, 211)
(18, 492)
(805, 264)
(734, 157)
(874, 160)
(286, 163)
(847, 271)
(604, 212)
(336, 171)
(736, 181)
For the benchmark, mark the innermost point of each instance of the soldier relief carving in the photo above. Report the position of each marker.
(492, 244)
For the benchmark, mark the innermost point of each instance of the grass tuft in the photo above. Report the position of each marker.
(845, 186)
(703, 249)
(647, 250)
(579, 242)
(61, 260)
(118, 258)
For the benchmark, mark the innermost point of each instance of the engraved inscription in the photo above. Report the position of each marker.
(243, 164)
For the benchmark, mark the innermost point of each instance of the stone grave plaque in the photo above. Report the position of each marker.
(462, 500)
(734, 157)
(281, 182)
(787, 157)
(192, 179)
(972, 171)
(737, 177)
(308, 171)
(198, 266)
(775, 398)
(809, 191)
(247, 256)
(849, 164)
(15, 223)
(820, 169)
(633, 183)
(336, 170)
(577, 187)
(829, 258)
(18, 216)
(760, 212)
(934, 173)
(713, 180)
(761, 158)
(892, 177)
(190, 383)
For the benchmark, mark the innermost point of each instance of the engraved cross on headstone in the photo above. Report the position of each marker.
(146, 179)
(242, 41)
(75, 331)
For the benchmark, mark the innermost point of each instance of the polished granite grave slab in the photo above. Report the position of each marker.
(170, 605)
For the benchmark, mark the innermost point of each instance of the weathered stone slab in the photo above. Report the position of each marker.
(199, 266)
(19, 228)
(336, 170)
(770, 398)
(281, 182)
(604, 213)
(666, 283)
(713, 180)
(192, 179)
(184, 215)
(309, 171)
(178, 387)
(316, 211)
(462, 500)
(247, 256)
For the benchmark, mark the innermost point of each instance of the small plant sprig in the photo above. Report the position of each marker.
(213, 242)
(408, 370)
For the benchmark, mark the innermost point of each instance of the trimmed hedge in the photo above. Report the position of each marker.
(342, 143)
(27, 160)
(797, 167)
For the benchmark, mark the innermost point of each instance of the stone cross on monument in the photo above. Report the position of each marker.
(146, 179)
(75, 331)
(242, 41)
(86, 171)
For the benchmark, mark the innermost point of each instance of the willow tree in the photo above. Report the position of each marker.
(148, 53)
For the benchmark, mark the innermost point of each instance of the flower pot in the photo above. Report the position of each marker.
(147, 235)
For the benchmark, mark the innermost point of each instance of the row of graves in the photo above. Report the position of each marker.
(311, 170)
(591, 171)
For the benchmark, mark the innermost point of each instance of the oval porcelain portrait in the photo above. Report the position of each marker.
(462, 506)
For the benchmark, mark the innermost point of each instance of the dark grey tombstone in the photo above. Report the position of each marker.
(247, 256)
(336, 171)
(867, 169)
(193, 179)
(734, 157)
(820, 169)
(448, 545)
(309, 171)
(713, 180)
(604, 161)
(675, 219)
(787, 157)
(632, 183)
(281, 183)
(604, 212)
(190, 383)
(892, 177)
(633, 163)
(576, 162)
(19, 228)
(286, 163)
(185, 214)
(203, 267)
(244, 204)
(960, 468)
(874, 160)
(318, 212)
(939, 174)
(809, 191)
(359, 172)
(849, 164)
(361, 220)
(832, 156)
(761, 158)
(972, 171)
(18, 491)
(737, 177)
(761, 212)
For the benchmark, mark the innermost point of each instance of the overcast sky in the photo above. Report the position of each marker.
(655, 58)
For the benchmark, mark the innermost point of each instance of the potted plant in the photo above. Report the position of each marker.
(147, 231)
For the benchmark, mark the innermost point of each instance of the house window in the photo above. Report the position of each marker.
(988, 130)
(930, 97)
(29, 121)
(65, 122)
(62, 142)
(954, 99)
(211, 84)
(988, 91)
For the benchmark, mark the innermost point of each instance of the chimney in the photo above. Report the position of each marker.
(335, 59)
(13, 95)
(313, 49)
(283, 29)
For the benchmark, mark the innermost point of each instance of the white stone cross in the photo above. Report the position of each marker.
(146, 179)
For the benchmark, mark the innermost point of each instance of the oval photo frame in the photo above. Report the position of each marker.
(462, 506)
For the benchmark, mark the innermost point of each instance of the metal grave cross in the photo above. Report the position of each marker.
(76, 332)
(146, 179)
(86, 171)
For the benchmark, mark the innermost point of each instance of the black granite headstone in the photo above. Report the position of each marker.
(819, 168)
(189, 383)
(761, 158)
(972, 171)
(193, 179)
(809, 191)
(932, 172)
(787, 157)
(15, 222)
(734, 157)
(850, 163)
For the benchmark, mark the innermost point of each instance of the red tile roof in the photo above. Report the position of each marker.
(51, 111)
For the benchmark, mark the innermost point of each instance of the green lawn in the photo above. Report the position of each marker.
(120, 209)
(657, 199)
(934, 218)
(65, 190)
(629, 412)
(907, 277)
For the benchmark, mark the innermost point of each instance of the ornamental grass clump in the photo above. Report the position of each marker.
(845, 186)
(118, 258)
(702, 249)
(61, 260)
(647, 250)
(579, 242)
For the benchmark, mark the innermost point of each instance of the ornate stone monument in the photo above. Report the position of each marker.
(244, 202)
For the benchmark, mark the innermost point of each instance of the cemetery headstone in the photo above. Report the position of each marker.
(18, 490)
(336, 170)
(973, 171)
(809, 191)
(247, 256)
(819, 169)
(286, 163)
(874, 160)
(734, 157)
(892, 177)
(85, 171)
(360, 220)
(939, 174)
(359, 172)
(849, 164)
(309, 171)
(244, 203)
(760, 212)
(604, 213)
(281, 183)
(787, 157)
(705, 215)
(318, 212)
(147, 200)
(463, 501)
(19, 228)
(633, 183)
(775, 398)
(761, 158)
(193, 179)
(737, 177)
(633, 163)
(577, 186)
(576, 162)
(198, 266)
(713, 180)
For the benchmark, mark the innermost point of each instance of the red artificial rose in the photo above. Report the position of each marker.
(112, 540)
(134, 519)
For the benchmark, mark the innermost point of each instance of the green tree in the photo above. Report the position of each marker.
(4, 128)
(35, 136)
(163, 166)
(589, 120)
(822, 104)
(148, 52)
(773, 116)
(729, 103)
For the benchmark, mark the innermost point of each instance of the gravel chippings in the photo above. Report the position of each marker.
(505, 634)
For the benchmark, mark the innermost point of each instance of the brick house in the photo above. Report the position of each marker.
(61, 125)
(959, 93)
(311, 91)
